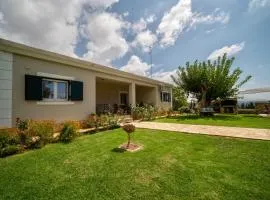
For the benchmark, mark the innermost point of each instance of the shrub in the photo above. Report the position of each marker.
(161, 112)
(9, 150)
(68, 133)
(104, 120)
(74, 123)
(91, 121)
(39, 133)
(137, 112)
(247, 111)
(146, 112)
(8, 138)
(8, 143)
(113, 121)
(129, 128)
(184, 109)
(4, 139)
(149, 112)
(22, 126)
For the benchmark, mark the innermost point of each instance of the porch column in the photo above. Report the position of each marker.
(132, 94)
(92, 94)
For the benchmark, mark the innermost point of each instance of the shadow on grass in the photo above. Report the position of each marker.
(118, 150)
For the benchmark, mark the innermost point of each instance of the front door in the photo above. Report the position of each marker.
(123, 98)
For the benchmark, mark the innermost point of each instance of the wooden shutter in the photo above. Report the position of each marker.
(76, 91)
(33, 87)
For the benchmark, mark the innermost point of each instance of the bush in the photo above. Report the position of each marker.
(104, 120)
(146, 112)
(22, 126)
(39, 133)
(4, 139)
(9, 150)
(247, 111)
(113, 121)
(9, 143)
(68, 133)
(8, 138)
(92, 121)
(184, 109)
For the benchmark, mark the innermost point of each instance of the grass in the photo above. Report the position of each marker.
(171, 166)
(249, 121)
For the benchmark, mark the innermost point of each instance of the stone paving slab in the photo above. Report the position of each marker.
(250, 133)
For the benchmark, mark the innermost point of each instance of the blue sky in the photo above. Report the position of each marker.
(118, 33)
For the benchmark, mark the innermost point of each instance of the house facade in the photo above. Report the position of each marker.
(38, 84)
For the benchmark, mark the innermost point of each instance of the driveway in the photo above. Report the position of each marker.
(251, 133)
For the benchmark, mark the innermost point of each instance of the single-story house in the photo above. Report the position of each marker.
(38, 84)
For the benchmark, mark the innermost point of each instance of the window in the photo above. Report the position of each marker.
(52, 90)
(165, 96)
(56, 90)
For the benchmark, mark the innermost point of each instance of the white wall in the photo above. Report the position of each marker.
(6, 61)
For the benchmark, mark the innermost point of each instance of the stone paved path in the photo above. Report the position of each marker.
(251, 133)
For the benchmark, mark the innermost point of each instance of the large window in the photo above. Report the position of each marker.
(165, 96)
(54, 90)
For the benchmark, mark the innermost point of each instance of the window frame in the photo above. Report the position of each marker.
(55, 92)
(169, 97)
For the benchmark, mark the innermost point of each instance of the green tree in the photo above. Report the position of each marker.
(210, 80)
(179, 98)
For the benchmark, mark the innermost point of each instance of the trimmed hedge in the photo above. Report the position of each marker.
(247, 111)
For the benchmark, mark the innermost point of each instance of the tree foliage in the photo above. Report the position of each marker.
(179, 98)
(210, 80)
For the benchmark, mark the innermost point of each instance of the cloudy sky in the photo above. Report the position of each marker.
(120, 33)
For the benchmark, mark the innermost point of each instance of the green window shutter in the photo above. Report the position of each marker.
(76, 89)
(33, 87)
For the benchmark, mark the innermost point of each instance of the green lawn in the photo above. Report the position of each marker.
(249, 121)
(171, 166)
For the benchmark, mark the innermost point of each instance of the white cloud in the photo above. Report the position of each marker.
(139, 25)
(151, 18)
(221, 17)
(125, 14)
(142, 23)
(50, 24)
(210, 31)
(181, 18)
(256, 4)
(106, 41)
(101, 3)
(230, 50)
(145, 40)
(136, 66)
(164, 76)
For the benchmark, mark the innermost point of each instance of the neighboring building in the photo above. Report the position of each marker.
(38, 84)
(229, 105)
(262, 107)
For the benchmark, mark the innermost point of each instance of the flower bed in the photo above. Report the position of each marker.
(30, 134)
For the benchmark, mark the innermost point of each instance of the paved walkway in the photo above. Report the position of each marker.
(251, 133)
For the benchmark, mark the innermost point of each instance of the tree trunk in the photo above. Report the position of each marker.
(128, 141)
(203, 100)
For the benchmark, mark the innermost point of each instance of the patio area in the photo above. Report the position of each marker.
(113, 96)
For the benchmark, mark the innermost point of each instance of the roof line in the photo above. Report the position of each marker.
(21, 49)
